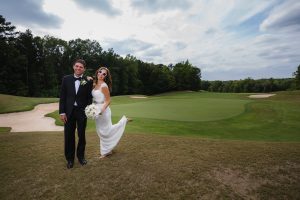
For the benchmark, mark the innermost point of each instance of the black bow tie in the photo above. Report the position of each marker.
(77, 79)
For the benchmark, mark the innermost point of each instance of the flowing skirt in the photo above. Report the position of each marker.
(109, 134)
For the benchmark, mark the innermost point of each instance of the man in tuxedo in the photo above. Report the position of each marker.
(75, 95)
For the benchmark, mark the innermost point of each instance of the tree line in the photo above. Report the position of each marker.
(34, 66)
(251, 85)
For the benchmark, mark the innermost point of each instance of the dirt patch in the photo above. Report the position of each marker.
(239, 182)
(33, 120)
(259, 96)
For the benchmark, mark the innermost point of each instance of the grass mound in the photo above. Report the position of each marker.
(9, 103)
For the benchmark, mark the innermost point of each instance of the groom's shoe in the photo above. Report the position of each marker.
(82, 161)
(70, 164)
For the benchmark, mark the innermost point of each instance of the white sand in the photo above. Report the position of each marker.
(138, 97)
(33, 120)
(259, 96)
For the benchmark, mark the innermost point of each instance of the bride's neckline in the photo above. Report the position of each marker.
(101, 83)
(99, 86)
(97, 90)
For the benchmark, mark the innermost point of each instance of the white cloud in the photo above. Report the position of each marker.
(210, 34)
(283, 17)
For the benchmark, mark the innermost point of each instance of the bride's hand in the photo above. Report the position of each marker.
(102, 110)
(89, 78)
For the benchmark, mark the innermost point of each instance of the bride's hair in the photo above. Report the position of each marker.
(107, 79)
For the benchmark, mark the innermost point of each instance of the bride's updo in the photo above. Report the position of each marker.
(107, 79)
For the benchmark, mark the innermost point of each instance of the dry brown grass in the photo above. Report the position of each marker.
(149, 167)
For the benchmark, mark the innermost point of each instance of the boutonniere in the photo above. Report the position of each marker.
(83, 82)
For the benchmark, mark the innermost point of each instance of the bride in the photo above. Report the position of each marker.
(108, 133)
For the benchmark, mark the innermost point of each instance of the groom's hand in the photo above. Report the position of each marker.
(89, 78)
(63, 118)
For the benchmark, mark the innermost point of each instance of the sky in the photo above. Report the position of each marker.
(226, 39)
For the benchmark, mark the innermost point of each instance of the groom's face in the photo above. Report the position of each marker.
(78, 69)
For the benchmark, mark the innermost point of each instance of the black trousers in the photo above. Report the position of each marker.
(76, 119)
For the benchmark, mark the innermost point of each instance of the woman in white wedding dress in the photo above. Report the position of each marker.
(108, 133)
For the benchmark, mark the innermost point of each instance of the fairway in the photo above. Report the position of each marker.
(204, 114)
(181, 109)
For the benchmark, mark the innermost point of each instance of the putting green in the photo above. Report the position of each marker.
(181, 109)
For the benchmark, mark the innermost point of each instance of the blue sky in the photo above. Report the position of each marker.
(228, 40)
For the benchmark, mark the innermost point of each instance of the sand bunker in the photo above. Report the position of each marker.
(33, 120)
(138, 97)
(259, 96)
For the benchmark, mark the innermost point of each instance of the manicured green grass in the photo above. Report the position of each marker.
(147, 166)
(4, 129)
(211, 115)
(193, 109)
(9, 103)
(272, 119)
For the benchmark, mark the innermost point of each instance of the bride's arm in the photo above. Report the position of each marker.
(106, 93)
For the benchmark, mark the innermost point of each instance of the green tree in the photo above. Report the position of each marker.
(34, 66)
(297, 77)
(134, 83)
(53, 65)
(11, 61)
(205, 85)
(187, 76)
(32, 49)
(7, 31)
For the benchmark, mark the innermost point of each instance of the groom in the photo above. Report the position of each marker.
(75, 95)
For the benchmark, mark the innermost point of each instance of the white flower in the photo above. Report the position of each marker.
(83, 82)
(92, 112)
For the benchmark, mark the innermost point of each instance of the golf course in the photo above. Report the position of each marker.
(180, 145)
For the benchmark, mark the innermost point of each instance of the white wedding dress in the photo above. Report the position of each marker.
(108, 133)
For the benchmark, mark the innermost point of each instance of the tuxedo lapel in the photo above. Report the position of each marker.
(72, 86)
(80, 86)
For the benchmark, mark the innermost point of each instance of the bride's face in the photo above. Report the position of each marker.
(102, 74)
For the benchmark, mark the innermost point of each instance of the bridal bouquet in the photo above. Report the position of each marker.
(91, 111)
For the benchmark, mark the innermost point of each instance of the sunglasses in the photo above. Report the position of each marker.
(103, 73)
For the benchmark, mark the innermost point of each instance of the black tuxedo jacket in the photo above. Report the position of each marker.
(68, 94)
